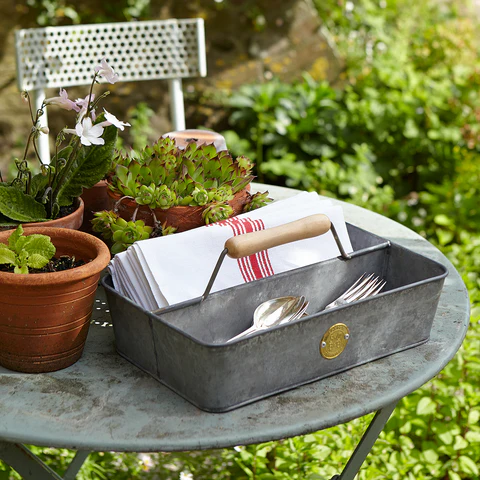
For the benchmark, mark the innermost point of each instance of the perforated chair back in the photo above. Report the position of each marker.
(64, 56)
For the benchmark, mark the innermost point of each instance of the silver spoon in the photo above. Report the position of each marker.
(301, 312)
(273, 312)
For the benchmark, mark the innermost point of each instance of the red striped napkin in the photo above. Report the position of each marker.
(167, 270)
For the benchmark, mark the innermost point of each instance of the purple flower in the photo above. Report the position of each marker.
(63, 101)
(82, 104)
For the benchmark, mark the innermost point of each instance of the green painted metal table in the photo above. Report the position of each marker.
(103, 403)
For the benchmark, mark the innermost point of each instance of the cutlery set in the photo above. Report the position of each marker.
(279, 311)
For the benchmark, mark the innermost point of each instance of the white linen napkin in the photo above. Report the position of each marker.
(167, 270)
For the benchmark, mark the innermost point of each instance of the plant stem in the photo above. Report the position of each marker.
(33, 130)
(28, 143)
(90, 94)
(66, 169)
(30, 108)
(29, 181)
(36, 152)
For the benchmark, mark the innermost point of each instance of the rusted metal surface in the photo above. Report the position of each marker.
(105, 403)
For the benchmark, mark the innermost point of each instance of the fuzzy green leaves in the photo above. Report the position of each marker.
(33, 251)
(6, 255)
(89, 167)
(16, 205)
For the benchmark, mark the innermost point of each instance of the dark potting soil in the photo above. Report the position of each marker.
(64, 211)
(54, 265)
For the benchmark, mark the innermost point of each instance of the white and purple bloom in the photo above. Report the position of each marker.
(63, 101)
(82, 104)
(89, 134)
(111, 119)
(106, 71)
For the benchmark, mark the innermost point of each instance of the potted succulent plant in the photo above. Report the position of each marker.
(82, 157)
(48, 280)
(167, 188)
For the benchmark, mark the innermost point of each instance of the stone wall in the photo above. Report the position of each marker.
(247, 42)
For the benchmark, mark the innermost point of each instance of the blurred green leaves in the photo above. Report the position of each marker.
(399, 135)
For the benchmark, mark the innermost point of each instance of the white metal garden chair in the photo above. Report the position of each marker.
(66, 56)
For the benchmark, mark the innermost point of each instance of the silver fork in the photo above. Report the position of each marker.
(365, 286)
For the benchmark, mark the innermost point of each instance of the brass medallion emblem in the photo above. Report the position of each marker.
(334, 341)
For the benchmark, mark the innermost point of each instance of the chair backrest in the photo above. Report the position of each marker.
(64, 56)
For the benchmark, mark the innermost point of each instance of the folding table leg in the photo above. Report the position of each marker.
(76, 465)
(30, 467)
(366, 443)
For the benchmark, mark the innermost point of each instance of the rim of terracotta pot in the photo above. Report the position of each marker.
(101, 260)
(73, 220)
(78, 212)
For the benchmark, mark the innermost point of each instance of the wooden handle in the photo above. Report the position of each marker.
(254, 242)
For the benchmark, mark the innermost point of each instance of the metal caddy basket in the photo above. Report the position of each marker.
(185, 347)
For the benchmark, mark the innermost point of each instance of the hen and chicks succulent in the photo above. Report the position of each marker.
(164, 175)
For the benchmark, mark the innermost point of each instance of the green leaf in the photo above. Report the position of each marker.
(443, 220)
(16, 205)
(5, 222)
(90, 166)
(38, 184)
(23, 269)
(446, 437)
(431, 456)
(18, 247)
(39, 245)
(322, 452)
(473, 417)
(36, 260)
(14, 237)
(426, 406)
(444, 236)
(64, 153)
(467, 465)
(26, 251)
(6, 255)
(411, 130)
(434, 134)
(460, 443)
(473, 437)
(453, 475)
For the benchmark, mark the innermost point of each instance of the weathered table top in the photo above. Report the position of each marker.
(105, 403)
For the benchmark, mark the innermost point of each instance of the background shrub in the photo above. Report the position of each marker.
(398, 135)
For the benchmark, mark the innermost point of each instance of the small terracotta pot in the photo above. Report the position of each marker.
(45, 317)
(95, 200)
(73, 221)
(182, 217)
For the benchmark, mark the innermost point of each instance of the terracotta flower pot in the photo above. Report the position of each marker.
(45, 317)
(182, 217)
(95, 200)
(73, 220)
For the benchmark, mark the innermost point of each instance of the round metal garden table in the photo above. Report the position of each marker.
(104, 403)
